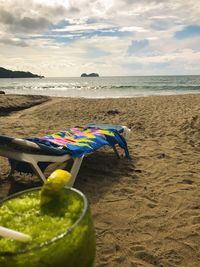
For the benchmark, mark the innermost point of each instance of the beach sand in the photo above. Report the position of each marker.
(146, 210)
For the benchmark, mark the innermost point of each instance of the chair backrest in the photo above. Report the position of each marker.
(21, 143)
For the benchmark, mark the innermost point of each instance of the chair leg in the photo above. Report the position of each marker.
(13, 165)
(38, 171)
(75, 169)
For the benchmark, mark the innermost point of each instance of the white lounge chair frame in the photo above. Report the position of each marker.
(34, 156)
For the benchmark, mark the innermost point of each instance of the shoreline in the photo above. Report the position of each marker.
(145, 211)
(113, 97)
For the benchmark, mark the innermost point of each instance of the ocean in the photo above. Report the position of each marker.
(103, 87)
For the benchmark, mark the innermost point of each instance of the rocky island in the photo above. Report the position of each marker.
(90, 75)
(5, 73)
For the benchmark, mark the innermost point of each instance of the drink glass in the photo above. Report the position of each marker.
(74, 247)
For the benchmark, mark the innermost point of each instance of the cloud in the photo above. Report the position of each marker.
(30, 17)
(6, 17)
(83, 27)
(13, 41)
(74, 10)
(138, 47)
(162, 24)
(90, 28)
(17, 24)
(94, 52)
(108, 34)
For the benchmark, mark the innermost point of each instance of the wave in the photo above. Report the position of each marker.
(103, 87)
(157, 87)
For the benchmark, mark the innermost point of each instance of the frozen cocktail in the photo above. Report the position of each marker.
(61, 236)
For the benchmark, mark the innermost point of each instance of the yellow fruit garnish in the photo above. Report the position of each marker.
(51, 191)
(57, 180)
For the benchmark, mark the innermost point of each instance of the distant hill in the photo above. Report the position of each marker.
(90, 75)
(4, 73)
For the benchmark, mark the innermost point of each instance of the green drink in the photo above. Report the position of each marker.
(61, 237)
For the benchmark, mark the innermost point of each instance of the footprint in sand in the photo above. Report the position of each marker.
(148, 258)
(173, 257)
(186, 181)
(196, 220)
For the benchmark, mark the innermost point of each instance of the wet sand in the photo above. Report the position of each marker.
(146, 210)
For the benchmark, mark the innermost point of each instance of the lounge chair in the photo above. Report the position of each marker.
(33, 155)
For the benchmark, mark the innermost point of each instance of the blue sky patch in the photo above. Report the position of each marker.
(138, 46)
(112, 32)
(188, 31)
(94, 52)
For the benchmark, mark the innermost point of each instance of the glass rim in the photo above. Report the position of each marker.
(54, 239)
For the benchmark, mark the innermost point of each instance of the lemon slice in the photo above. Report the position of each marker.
(51, 191)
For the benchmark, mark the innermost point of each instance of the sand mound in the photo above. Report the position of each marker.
(10, 103)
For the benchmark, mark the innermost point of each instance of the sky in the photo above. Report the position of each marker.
(64, 38)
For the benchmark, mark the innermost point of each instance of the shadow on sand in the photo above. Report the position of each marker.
(98, 173)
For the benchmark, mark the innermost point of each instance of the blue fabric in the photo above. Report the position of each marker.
(119, 128)
(77, 147)
(80, 142)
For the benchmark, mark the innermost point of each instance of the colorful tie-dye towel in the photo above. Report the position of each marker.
(79, 141)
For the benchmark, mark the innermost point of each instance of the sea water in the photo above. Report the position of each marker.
(103, 87)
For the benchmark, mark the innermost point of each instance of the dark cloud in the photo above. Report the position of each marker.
(130, 2)
(74, 10)
(25, 21)
(23, 24)
(6, 17)
(51, 12)
(13, 42)
(35, 18)
(30, 24)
